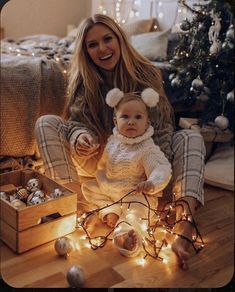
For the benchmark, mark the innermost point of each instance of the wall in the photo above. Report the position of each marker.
(26, 17)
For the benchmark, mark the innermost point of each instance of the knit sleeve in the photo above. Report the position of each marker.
(75, 124)
(157, 168)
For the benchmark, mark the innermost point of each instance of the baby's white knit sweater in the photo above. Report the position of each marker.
(129, 161)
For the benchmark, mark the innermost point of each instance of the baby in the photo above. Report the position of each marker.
(130, 161)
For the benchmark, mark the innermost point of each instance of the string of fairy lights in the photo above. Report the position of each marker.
(156, 227)
(118, 9)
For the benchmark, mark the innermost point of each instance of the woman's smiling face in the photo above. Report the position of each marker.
(103, 47)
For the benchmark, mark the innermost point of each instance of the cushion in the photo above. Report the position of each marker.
(219, 169)
(139, 26)
(152, 45)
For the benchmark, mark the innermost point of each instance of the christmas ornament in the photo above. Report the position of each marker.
(221, 122)
(214, 30)
(227, 45)
(230, 96)
(230, 34)
(75, 277)
(171, 76)
(3, 196)
(33, 185)
(197, 84)
(57, 193)
(36, 198)
(17, 203)
(35, 201)
(22, 194)
(185, 25)
(176, 82)
(194, 92)
(63, 246)
(215, 47)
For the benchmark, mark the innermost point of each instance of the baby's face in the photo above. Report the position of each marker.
(132, 118)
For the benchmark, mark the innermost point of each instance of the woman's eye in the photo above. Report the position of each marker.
(108, 39)
(92, 45)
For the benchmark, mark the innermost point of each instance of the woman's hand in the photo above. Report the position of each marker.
(86, 145)
(145, 187)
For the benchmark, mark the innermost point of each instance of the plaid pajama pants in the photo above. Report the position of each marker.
(63, 165)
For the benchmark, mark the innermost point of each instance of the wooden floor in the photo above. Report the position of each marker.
(213, 267)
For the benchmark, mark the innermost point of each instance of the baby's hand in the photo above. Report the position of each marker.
(111, 219)
(145, 187)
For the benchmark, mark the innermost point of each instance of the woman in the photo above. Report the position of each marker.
(104, 59)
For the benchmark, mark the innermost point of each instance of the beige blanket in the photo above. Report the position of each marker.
(30, 87)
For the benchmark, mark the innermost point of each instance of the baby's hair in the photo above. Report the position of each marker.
(136, 96)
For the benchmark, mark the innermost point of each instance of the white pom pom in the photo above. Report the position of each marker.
(114, 96)
(150, 97)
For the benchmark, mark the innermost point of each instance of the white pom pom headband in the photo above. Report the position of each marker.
(149, 96)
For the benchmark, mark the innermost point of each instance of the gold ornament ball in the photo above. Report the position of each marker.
(22, 194)
(63, 245)
(75, 277)
(221, 122)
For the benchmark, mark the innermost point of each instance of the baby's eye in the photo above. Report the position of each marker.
(124, 116)
(138, 117)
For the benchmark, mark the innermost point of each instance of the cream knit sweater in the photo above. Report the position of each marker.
(125, 163)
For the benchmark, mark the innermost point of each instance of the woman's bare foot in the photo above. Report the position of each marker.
(127, 240)
(180, 246)
(111, 219)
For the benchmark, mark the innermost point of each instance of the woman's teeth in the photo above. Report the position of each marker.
(106, 57)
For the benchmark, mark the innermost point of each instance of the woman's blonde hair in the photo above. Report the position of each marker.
(132, 73)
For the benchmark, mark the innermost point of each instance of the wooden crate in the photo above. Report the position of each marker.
(21, 229)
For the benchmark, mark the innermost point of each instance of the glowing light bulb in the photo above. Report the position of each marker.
(77, 246)
(87, 244)
(144, 226)
(141, 262)
(165, 261)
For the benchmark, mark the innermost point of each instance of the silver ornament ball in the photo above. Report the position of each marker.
(33, 185)
(230, 34)
(197, 84)
(230, 96)
(63, 245)
(75, 277)
(176, 82)
(221, 122)
(3, 196)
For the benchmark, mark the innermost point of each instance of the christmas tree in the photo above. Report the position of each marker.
(203, 61)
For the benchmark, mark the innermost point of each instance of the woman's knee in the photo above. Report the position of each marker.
(48, 121)
(188, 139)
